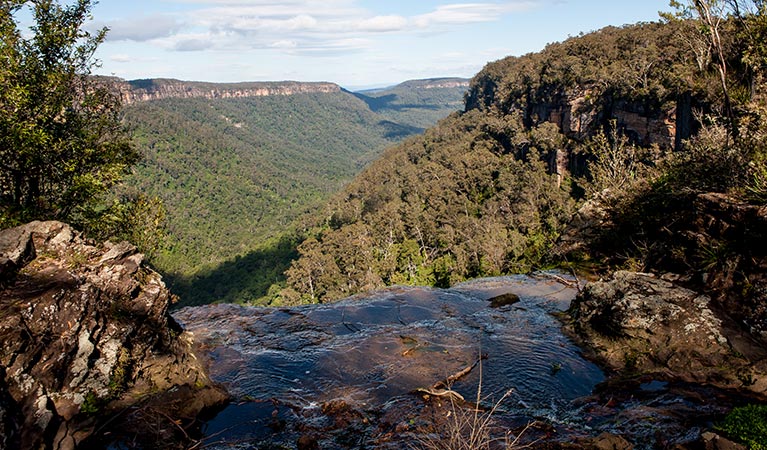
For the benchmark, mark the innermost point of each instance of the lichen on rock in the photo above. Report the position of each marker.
(639, 323)
(86, 333)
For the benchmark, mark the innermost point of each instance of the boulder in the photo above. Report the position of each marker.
(638, 323)
(86, 334)
(606, 441)
(506, 299)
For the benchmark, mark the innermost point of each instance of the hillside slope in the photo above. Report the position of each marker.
(489, 191)
(419, 103)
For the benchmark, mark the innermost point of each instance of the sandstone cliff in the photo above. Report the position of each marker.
(436, 83)
(158, 89)
(87, 340)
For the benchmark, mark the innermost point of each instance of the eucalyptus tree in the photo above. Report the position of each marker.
(62, 143)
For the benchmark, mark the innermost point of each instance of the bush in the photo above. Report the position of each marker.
(710, 162)
(747, 424)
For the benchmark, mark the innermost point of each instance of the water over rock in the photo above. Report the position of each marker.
(370, 371)
(86, 334)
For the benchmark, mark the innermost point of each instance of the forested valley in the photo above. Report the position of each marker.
(633, 158)
(239, 177)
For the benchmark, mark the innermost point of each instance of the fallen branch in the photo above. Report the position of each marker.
(440, 393)
(442, 388)
(458, 375)
(561, 280)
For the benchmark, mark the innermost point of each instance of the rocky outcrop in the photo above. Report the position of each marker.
(712, 240)
(159, 89)
(639, 323)
(86, 334)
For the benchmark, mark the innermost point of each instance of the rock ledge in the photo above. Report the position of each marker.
(637, 323)
(86, 334)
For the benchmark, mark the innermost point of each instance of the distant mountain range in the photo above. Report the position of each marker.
(238, 165)
(419, 103)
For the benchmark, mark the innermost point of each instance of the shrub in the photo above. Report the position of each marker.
(747, 424)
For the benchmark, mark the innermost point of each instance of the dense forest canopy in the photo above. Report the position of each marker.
(237, 176)
(490, 190)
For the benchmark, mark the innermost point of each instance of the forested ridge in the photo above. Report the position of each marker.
(490, 190)
(237, 175)
(419, 103)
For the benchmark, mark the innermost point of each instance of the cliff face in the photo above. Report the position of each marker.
(437, 83)
(630, 76)
(578, 117)
(158, 89)
(579, 114)
(86, 333)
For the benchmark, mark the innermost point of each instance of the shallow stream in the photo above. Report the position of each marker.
(369, 353)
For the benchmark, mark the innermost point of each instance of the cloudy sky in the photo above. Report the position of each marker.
(356, 43)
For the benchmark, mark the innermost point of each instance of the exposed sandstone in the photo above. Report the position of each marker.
(638, 323)
(158, 89)
(85, 333)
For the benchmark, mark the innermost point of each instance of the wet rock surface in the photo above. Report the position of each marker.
(361, 373)
(86, 335)
(364, 372)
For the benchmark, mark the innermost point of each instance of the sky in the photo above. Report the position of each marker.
(355, 43)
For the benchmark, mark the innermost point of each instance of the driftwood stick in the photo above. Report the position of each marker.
(561, 280)
(447, 382)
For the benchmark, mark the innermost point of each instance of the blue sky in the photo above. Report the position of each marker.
(356, 43)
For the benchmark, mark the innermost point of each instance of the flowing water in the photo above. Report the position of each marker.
(369, 353)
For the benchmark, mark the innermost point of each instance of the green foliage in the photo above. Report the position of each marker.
(438, 209)
(747, 424)
(62, 144)
(239, 176)
(756, 186)
(91, 405)
(642, 68)
(616, 164)
(140, 221)
(711, 162)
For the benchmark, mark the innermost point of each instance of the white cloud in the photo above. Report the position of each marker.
(121, 58)
(382, 24)
(284, 44)
(193, 45)
(317, 27)
(329, 47)
(141, 28)
(467, 13)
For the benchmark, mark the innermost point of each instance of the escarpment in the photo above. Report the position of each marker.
(136, 91)
(626, 76)
(87, 340)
